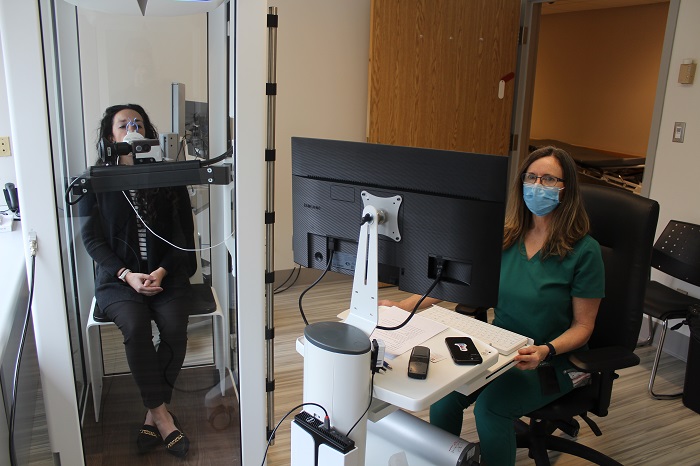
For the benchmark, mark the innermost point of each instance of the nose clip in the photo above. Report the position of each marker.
(132, 126)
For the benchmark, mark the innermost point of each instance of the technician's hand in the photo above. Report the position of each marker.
(530, 357)
(388, 303)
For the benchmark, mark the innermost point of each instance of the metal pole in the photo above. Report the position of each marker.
(271, 91)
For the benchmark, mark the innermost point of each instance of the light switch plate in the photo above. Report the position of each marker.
(5, 150)
(678, 131)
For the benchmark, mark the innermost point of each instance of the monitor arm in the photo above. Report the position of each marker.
(363, 302)
(380, 216)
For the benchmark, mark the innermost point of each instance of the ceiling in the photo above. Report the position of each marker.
(149, 7)
(567, 6)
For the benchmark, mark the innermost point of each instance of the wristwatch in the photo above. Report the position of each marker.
(551, 354)
(122, 276)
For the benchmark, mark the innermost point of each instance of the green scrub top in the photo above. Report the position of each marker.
(534, 297)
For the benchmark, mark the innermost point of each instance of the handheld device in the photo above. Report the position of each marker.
(418, 362)
(11, 197)
(463, 350)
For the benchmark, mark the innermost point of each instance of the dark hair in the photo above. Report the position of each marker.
(569, 220)
(105, 130)
(146, 198)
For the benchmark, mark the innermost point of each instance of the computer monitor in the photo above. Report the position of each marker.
(452, 207)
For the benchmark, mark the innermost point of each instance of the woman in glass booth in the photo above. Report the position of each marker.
(141, 242)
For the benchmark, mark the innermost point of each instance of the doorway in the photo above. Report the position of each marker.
(593, 88)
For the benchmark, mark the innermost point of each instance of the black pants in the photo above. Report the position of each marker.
(154, 370)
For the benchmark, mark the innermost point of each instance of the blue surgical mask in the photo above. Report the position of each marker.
(541, 200)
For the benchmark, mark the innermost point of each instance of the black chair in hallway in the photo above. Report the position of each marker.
(624, 224)
(676, 253)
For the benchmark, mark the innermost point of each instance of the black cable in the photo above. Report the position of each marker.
(272, 434)
(371, 390)
(279, 289)
(218, 159)
(301, 296)
(15, 377)
(415, 308)
(287, 279)
(66, 195)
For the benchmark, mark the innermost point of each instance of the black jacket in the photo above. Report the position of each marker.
(110, 236)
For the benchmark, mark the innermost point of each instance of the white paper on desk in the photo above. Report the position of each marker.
(416, 331)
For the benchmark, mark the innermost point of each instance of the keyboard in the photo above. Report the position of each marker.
(504, 341)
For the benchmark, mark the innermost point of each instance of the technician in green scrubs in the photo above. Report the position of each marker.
(552, 281)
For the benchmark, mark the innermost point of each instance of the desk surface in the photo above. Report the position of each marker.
(396, 388)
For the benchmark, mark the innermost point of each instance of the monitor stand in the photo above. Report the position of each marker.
(363, 301)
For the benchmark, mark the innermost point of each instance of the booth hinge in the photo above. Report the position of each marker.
(522, 36)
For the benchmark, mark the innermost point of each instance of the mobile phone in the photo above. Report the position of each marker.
(418, 362)
(463, 350)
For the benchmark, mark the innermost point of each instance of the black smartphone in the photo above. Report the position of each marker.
(463, 350)
(418, 362)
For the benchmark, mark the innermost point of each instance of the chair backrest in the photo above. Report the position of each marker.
(677, 251)
(624, 224)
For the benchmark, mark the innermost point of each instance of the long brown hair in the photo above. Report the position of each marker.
(569, 220)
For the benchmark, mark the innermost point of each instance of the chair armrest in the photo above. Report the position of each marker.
(606, 359)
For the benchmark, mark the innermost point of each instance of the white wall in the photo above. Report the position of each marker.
(674, 182)
(134, 59)
(323, 53)
(7, 164)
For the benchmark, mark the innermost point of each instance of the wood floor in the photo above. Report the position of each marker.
(637, 431)
(214, 440)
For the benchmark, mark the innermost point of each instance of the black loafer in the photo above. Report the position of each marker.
(177, 442)
(148, 438)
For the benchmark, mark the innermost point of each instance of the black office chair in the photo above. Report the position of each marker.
(676, 253)
(624, 224)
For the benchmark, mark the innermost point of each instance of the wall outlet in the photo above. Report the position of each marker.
(5, 150)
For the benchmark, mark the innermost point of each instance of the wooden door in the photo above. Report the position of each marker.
(434, 73)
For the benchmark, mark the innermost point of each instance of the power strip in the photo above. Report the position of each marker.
(322, 435)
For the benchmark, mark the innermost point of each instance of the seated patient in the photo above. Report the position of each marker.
(139, 277)
(551, 284)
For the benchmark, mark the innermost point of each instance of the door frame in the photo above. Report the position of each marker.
(527, 63)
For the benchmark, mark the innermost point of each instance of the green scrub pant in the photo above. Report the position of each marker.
(498, 404)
